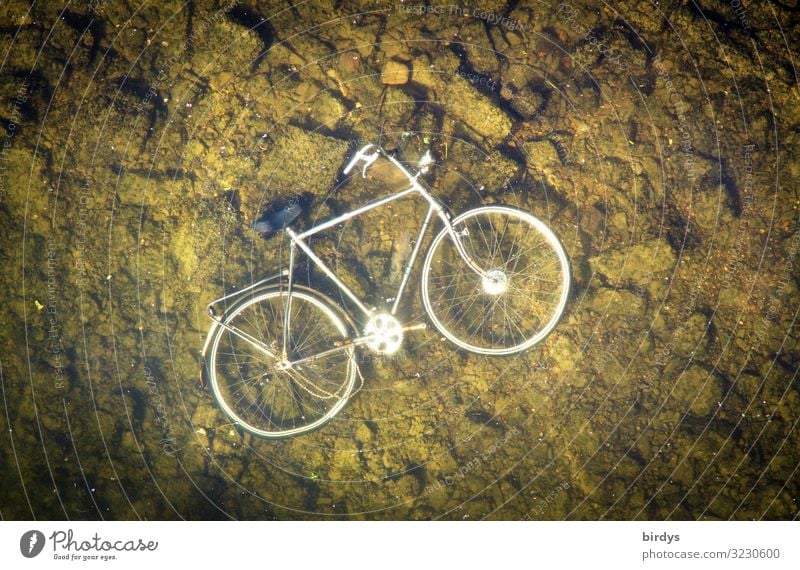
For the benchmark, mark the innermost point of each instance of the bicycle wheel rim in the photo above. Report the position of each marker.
(466, 312)
(230, 386)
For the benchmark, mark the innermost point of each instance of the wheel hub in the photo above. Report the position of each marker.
(386, 333)
(495, 282)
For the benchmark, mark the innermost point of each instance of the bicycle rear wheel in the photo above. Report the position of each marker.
(521, 301)
(256, 393)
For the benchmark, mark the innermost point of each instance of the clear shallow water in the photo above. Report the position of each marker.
(141, 143)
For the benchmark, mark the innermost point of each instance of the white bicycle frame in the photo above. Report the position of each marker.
(297, 240)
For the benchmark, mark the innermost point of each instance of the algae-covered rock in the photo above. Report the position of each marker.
(481, 56)
(640, 263)
(225, 45)
(299, 161)
(20, 170)
(364, 433)
(618, 306)
(521, 74)
(395, 73)
(564, 352)
(426, 74)
(712, 211)
(697, 391)
(688, 335)
(526, 101)
(206, 417)
(490, 174)
(397, 108)
(541, 155)
(325, 108)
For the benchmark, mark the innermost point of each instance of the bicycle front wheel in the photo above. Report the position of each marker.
(522, 298)
(247, 380)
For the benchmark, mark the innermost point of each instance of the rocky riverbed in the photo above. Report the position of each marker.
(140, 142)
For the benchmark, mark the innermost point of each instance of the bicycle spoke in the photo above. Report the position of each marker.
(244, 381)
(296, 397)
(539, 268)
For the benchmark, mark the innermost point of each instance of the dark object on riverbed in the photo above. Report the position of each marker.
(278, 219)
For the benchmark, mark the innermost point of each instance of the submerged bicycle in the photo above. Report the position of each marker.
(281, 361)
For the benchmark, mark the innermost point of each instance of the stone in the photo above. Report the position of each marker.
(619, 305)
(525, 101)
(541, 154)
(712, 210)
(688, 335)
(363, 433)
(433, 74)
(300, 161)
